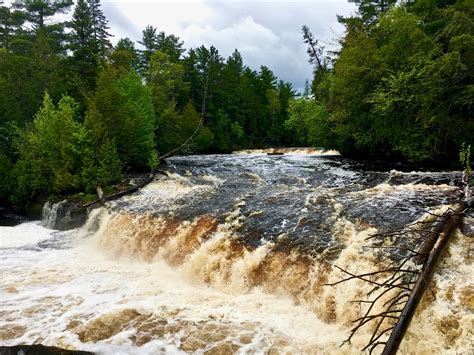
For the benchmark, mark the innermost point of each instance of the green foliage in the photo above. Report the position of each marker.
(401, 86)
(101, 165)
(465, 158)
(175, 127)
(5, 177)
(153, 162)
(49, 151)
(121, 105)
(126, 115)
(125, 55)
(166, 80)
(136, 138)
(308, 123)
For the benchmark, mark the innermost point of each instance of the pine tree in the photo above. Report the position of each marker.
(100, 35)
(39, 14)
(370, 10)
(125, 55)
(81, 41)
(171, 45)
(10, 25)
(150, 42)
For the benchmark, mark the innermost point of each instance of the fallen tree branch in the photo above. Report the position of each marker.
(397, 334)
(424, 242)
(103, 199)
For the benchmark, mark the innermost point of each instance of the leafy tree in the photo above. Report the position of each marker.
(401, 86)
(308, 123)
(371, 10)
(117, 116)
(5, 178)
(126, 110)
(166, 80)
(49, 152)
(176, 127)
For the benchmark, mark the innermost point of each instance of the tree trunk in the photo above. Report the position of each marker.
(452, 221)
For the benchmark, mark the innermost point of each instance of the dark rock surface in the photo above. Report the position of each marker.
(38, 350)
(64, 215)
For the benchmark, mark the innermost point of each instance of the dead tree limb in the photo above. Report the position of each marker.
(452, 221)
(103, 199)
(407, 277)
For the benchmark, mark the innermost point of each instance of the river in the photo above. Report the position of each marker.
(231, 254)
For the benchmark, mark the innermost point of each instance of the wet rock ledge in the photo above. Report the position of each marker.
(64, 215)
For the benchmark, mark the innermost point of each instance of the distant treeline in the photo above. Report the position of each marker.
(76, 112)
(401, 87)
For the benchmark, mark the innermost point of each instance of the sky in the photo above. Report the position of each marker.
(266, 32)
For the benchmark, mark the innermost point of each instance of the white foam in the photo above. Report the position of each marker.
(287, 151)
(24, 234)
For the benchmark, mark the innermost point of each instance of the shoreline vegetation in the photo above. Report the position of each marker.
(77, 112)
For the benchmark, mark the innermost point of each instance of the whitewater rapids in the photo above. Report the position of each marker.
(231, 254)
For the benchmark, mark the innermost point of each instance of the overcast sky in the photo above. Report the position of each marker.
(265, 32)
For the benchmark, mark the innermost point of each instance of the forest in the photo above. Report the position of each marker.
(77, 112)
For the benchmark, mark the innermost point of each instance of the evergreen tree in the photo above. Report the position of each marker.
(100, 35)
(10, 25)
(371, 10)
(125, 55)
(101, 165)
(166, 81)
(401, 86)
(39, 14)
(82, 42)
(170, 45)
(127, 115)
(150, 42)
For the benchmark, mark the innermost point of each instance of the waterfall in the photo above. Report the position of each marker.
(232, 254)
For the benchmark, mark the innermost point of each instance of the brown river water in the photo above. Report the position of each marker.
(232, 254)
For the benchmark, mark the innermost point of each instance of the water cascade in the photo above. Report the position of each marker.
(231, 254)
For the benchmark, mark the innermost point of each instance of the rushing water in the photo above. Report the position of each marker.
(231, 254)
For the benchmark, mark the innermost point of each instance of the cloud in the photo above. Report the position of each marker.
(265, 32)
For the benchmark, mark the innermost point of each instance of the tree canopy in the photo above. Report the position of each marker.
(76, 112)
(401, 85)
